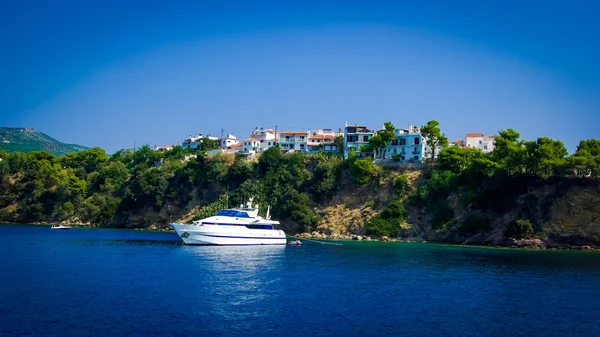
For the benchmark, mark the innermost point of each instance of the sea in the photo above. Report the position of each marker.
(114, 282)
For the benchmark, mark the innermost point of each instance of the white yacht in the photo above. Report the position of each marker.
(60, 227)
(241, 226)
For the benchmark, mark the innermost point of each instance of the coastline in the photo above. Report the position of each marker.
(531, 244)
(526, 244)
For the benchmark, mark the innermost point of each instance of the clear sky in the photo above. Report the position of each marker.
(108, 73)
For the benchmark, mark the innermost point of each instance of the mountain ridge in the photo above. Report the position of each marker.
(27, 140)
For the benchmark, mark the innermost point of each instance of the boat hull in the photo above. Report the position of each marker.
(228, 235)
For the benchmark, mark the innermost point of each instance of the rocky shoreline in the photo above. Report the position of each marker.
(530, 244)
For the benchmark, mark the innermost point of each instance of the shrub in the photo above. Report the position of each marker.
(473, 223)
(396, 157)
(519, 229)
(400, 184)
(362, 170)
(389, 222)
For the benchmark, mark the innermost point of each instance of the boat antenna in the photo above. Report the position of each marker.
(268, 216)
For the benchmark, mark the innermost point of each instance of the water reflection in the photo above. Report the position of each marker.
(236, 279)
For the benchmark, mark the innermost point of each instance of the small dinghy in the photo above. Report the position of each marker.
(295, 243)
(60, 227)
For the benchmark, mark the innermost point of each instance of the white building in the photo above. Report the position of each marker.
(293, 140)
(229, 141)
(265, 137)
(356, 136)
(323, 140)
(193, 142)
(479, 141)
(163, 148)
(250, 145)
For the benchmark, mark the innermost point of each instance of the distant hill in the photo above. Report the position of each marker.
(28, 140)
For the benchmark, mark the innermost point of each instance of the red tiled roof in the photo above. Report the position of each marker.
(474, 134)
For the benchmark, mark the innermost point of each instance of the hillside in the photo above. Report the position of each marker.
(313, 195)
(27, 140)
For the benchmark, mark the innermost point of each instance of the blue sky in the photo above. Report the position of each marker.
(108, 73)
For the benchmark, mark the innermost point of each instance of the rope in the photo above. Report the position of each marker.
(321, 242)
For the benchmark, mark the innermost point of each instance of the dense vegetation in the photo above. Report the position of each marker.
(143, 187)
(92, 187)
(27, 140)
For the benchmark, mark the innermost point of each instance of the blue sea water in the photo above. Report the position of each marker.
(104, 282)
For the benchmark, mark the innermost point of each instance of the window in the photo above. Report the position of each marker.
(485, 147)
(287, 137)
(365, 138)
(402, 141)
(269, 143)
(416, 157)
(301, 146)
(417, 140)
(262, 140)
(480, 142)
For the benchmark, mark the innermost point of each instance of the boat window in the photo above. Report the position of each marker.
(228, 212)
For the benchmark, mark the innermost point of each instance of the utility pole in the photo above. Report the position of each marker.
(221, 139)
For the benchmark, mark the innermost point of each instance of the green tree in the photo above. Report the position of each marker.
(509, 151)
(433, 136)
(91, 159)
(362, 170)
(208, 144)
(586, 160)
(456, 159)
(339, 144)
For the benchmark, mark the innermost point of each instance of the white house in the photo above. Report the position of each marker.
(227, 142)
(479, 141)
(265, 137)
(163, 148)
(293, 140)
(193, 142)
(356, 136)
(323, 140)
(250, 145)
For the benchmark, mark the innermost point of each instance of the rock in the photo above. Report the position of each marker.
(384, 238)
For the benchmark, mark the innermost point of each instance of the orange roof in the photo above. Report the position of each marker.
(253, 139)
(291, 133)
(474, 134)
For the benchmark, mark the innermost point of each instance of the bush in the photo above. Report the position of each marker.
(362, 170)
(400, 184)
(519, 229)
(396, 157)
(389, 222)
(473, 223)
